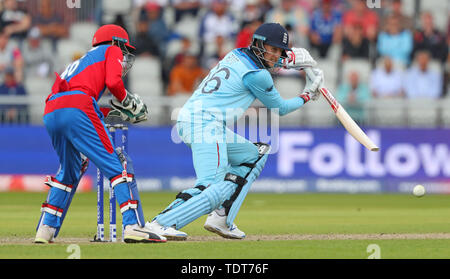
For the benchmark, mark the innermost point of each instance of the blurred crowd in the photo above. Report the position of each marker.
(407, 52)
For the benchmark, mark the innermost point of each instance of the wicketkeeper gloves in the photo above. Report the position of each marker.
(132, 109)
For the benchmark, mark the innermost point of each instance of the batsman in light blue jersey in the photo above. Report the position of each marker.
(225, 163)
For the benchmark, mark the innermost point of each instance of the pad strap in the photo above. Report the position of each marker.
(121, 178)
(240, 181)
(52, 182)
(263, 148)
(236, 179)
(130, 204)
(46, 207)
(186, 196)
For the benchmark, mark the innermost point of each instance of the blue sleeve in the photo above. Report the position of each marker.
(261, 85)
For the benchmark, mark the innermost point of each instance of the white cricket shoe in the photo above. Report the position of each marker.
(45, 234)
(168, 232)
(218, 224)
(136, 234)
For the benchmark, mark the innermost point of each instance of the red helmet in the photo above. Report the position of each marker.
(110, 32)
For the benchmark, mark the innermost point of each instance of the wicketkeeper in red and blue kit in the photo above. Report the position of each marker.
(75, 124)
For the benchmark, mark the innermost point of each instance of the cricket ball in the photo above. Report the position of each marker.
(419, 191)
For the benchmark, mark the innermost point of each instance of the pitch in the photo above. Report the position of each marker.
(278, 226)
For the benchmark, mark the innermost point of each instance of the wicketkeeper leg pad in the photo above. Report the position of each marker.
(71, 189)
(134, 203)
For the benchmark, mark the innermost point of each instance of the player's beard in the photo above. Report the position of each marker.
(277, 65)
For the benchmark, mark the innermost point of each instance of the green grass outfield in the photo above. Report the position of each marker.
(278, 226)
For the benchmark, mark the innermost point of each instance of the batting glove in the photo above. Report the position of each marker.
(314, 81)
(298, 58)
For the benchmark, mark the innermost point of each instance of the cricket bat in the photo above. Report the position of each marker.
(345, 119)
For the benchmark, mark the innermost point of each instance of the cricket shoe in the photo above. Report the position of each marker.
(168, 232)
(45, 234)
(218, 224)
(136, 234)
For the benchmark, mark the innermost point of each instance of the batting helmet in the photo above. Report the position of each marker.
(109, 33)
(272, 34)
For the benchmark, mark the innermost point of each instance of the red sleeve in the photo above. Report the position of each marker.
(113, 77)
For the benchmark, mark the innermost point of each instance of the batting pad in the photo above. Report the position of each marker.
(255, 172)
(208, 200)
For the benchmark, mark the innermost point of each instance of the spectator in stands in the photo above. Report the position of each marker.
(395, 8)
(13, 20)
(38, 57)
(395, 41)
(325, 28)
(157, 30)
(186, 46)
(50, 24)
(265, 6)
(430, 39)
(294, 18)
(221, 48)
(217, 22)
(10, 87)
(353, 94)
(308, 5)
(360, 14)
(144, 43)
(185, 76)
(386, 81)
(251, 13)
(244, 37)
(420, 80)
(355, 45)
(10, 56)
(185, 7)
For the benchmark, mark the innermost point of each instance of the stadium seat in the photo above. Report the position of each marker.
(117, 6)
(157, 114)
(188, 27)
(83, 32)
(408, 7)
(319, 114)
(387, 112)
(37, 90)
(362, 66)
(293, 119)
(289, 86)
(66, 49)
(423, 112)
(175, 46)
(176, 103)
(145, 67)
(439, 10)
(151, 87)
(330, 71)
(379, 64)
(169, 16)
(444, 104)
(335, 52)
(145, 80)
(211, 48)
